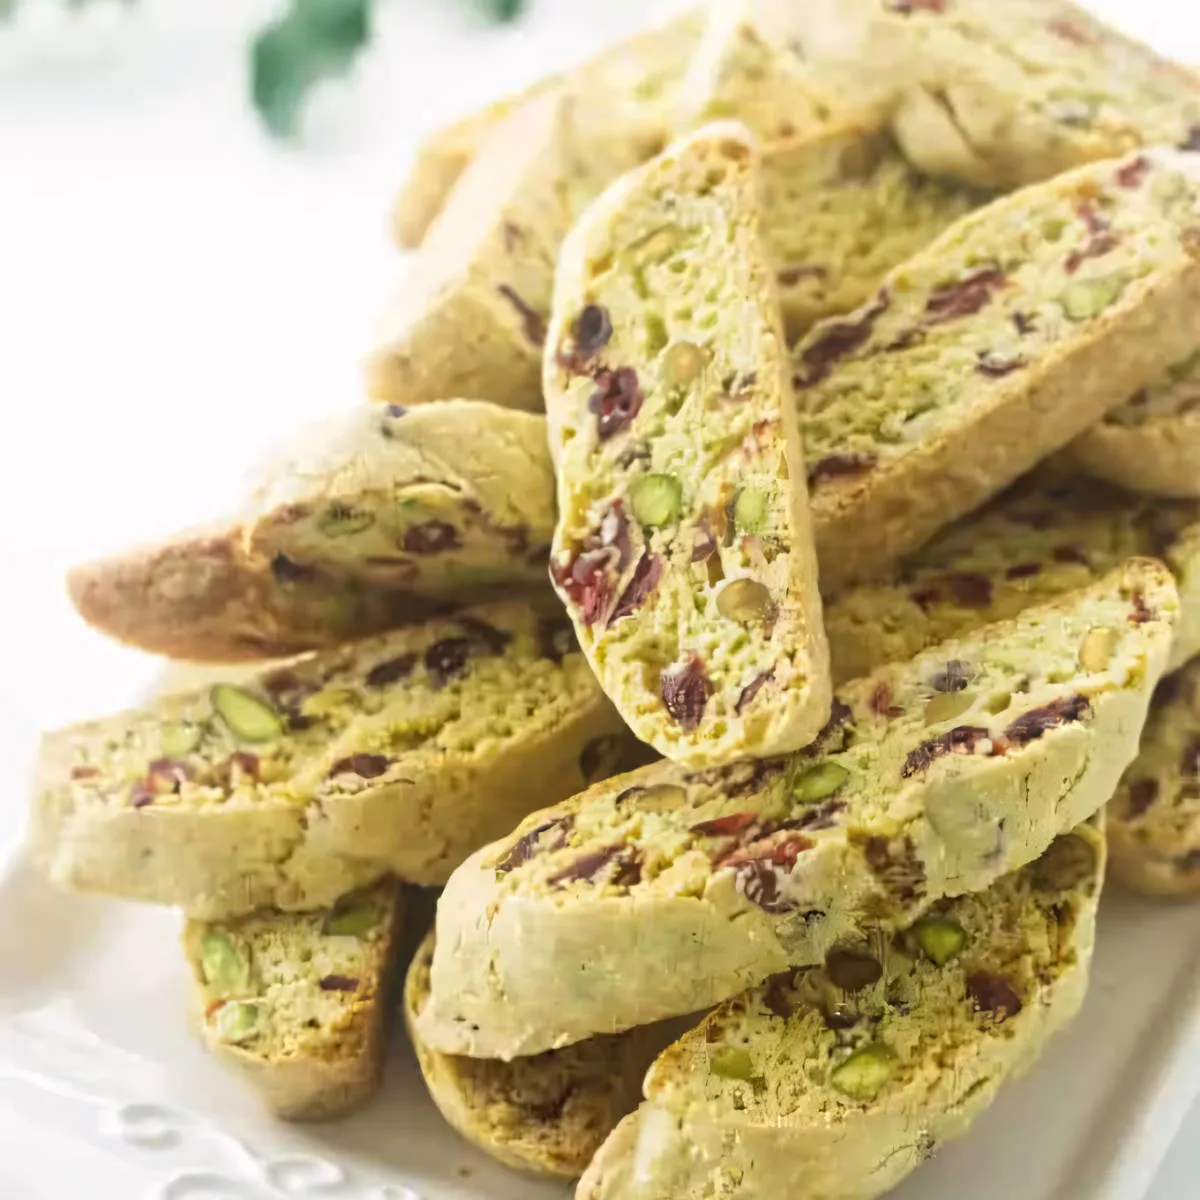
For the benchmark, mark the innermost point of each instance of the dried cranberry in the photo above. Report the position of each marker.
(880, 701)
(390, 671)
(911, 6)
(996, 366)
(84, 772)
(962, 739)
(1071, 554)
(531, 319)
(616, 401)
(1069, 31)
(1142, 795)
(728, 826)
(485, 635)
(141, 796)
(1024, 323)
(1030, 726)
(993, 994)
(685, 692)
(286, 570)
(646, 577)
(837, 339)
(167, 774)
(840, 466)
(792, 275)
(365, 766)
(965, 296)
(556, 639)
(530, 844)
(337, 983)
(1023, 571)
(1100, 241)
(1140, 612)
(590, 867)
(953, 677)
(447, 659)
(586, 584)
(967, 589)
(781, 847)
(704, 541)
(245, 762)
(752, 689)
(395, 410)
(430, 537)
(1131, 174)
(592, 329)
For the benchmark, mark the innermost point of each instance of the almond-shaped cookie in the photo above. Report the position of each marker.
(370, 520)
(1154, 818)
(548, 1113)
(1005, 92)
(683, 549)
(1151, 443)
(665, 891)
(1049, 534)
(636, 78)
(1003, 340)
(299, 1001)
(840, 1080)
(403, 753)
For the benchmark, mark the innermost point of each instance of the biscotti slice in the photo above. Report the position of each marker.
(840, 208)
(401, 754)
(1005, 92)
(1154, 819)
(637, 77)
(299, 1001)
(373, 519)
(839, 1081)
(548, 1113)
(1151, 443)
(936, 777)
(683, 549)
(1047, 535)
(1002, 341)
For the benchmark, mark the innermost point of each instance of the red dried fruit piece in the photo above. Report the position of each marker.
(752, 689)
(1101, 239)
(1142, 795)
(1030, 726)
(592, 329)
(1024, 323)
(531, 319)
(590, 867)
(1071, 554)
(965, 296)
(965, 588)
(646, 577)
(533, 843)
(838, 338)
(840, 466)
(911, 6)
(1140, 612)
(792, 275)
(616, 401)
(287, 570)
(167, 774)
(728, 826)
(365, 766)
(704, 541)
(962, 739)
(140, 796)
(1070, 32)
(430, 537)
(337, 983)
(447, 659)
(556, 639)
(685, 692)
(880, 701)
(245, 762)
(1132, 173)
(993, 994)
(996, 366)
(781, 847)
(1023, 571)
(391, 670)
(395, 410)
(78, 773)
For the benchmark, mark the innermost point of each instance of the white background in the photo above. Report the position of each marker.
(176, 290)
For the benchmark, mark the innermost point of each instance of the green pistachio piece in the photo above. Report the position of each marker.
(660, 797)
(352, 917)
(945, 706)
(237, 1021)
(656, 499)
(745, 601)
(1096, 649)
(338, 520)
(179, 740)
(346, 610)
(862, 1075)
(820, 781)
(225, 970)
(682, 364)
(1087, 297)
(731, 1062)
(750, 510)
(249, 717)
(940, 938)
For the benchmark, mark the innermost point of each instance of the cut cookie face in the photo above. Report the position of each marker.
(285, 790)
(1151, 443)
(1005, 92)
(299, 1001)
(998, 344)
(547, 1113)
(936, 777)
(683, 550)
(1154, 818)
(841, 1079)
(373, 519)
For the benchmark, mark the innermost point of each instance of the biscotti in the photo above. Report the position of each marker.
(840, 208)
(1151, 443)
(1049, 534)
(548, 1113)
(373, 519)
(995, 346)
(841, 1080)
(402, 754)
(1154, 819)
(635, 78)
(682, 554)
(936, 777)
(299, 1001)
(1005, 92)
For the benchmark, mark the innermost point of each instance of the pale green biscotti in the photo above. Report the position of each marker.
(365, 521)
(841, 1080)
(548, 1113)
(1049, 534)
(1154, 818)
(400, 754)
(1004, 92)
(935, 777)
(1019, 327)
(299, 1001)
(683, 553)
(1151, 443)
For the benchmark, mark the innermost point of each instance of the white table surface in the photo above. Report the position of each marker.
(175, 289)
